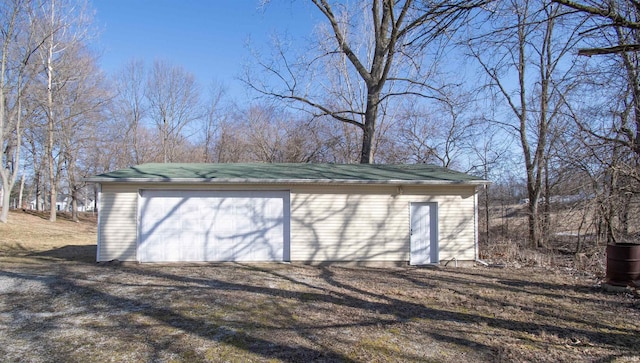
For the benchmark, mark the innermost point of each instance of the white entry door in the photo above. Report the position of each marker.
(424, 233)
(185, 225)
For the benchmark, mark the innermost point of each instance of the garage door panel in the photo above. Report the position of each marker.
(212, 226)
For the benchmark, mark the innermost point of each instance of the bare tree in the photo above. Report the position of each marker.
(382, 43)
(276, 136)
(615, 32)
(34, 138)
(83, 98)
(342, 141)
(64, 24)
(608, 114)
(214, 117)
(611, 14)
(19, 42)
(10, 132)
(230, 146)
(530, 47)
(438, 133)
(268, 134)
(130, 108)
(490, 151)
(174, 103)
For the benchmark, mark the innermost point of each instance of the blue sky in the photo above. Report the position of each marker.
(206, 37)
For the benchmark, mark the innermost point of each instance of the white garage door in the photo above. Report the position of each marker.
(180, 225)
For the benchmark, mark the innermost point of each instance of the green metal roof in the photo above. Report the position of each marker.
(288, 173)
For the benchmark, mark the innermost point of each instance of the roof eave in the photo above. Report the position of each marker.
(283, 181)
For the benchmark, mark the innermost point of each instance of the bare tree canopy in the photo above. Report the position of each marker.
(617, 33)
(608, 15)
(525, 54)
(174, 98)
(17, 37)
(606, 9)
(374, 50)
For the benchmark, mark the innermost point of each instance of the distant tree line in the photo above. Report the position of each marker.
(499, 89)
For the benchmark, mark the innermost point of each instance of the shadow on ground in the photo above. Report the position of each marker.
(80, 253)
(69, 308)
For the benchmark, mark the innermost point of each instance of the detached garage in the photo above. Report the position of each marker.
(420, 214)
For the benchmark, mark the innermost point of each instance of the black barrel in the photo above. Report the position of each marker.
(623, 264)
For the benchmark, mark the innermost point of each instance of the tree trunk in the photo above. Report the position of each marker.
(4, 172)
(74, 204)
(535, 228)
(546, 213)
(4, 196)
(38, 191)
(51, 124)
(369, 127)
(20, 205)
(366, 155)
(165, 141)
(52, 174)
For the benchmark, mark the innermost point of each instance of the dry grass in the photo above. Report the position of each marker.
(56, 304)
(508, 243)
(29, 232)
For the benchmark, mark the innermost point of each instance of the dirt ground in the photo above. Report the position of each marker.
(57, 304)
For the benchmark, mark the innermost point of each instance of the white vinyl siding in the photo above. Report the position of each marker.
(117, 229)
(371, 223)
(328, 223)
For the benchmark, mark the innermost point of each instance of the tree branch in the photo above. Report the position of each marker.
(609, 50)
(607, 13)
(325, 8)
